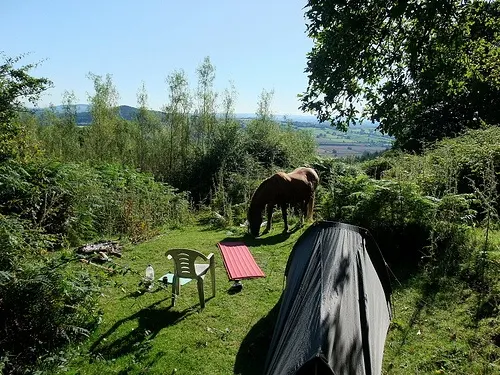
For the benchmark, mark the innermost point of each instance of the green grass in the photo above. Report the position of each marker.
(446, 325)
(140, 333)
(433, 330)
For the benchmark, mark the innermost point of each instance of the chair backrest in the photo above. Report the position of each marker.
(184, 261)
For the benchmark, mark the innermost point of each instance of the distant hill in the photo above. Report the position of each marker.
(83, 116)
(60, 108)
(80, 108)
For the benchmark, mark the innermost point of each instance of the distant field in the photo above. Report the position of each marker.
(347, 149)
(355, 141)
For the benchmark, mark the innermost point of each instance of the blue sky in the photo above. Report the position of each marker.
(259, 44)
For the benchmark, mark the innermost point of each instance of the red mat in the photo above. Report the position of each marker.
(238, 261)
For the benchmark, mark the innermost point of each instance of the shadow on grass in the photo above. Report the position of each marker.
(428, 288)
(160, 287)
(251, 357)
(266, 240)
(151, 320)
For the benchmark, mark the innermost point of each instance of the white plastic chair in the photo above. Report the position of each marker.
(186, 267)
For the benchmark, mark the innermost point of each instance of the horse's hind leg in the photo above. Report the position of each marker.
(285, 217)
(270, 208)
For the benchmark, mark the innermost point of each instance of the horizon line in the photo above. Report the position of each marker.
(160, 110)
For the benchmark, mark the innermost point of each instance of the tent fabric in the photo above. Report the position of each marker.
(335, 309)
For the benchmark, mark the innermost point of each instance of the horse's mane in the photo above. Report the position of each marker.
(310, 173)
(255, 201)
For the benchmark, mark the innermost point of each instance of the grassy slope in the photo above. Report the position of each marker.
(435, 333)
(432, 331)
(436, 330)
(141, 333)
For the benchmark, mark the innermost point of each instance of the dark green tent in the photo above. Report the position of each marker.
(335, 310)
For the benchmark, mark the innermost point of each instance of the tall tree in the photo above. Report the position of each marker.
(101, 143)
(228, 102)
(178, 113)
(206, 97)
(423, 69)
(68, 128)
(148, 123)
(264, 110)
(149, 143)
(16, 87)
(263, 133)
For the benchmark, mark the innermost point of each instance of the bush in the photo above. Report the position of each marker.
(19, 242)
(43, 306)
(330, 170)
(375, 168)
(43, 309)
(273, 145)
(403, 221)
(77, 202)
(134, 204)
(452, 165)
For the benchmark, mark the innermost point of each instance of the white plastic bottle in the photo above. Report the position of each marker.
(150, 276)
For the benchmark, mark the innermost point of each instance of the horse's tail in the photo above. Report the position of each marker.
(310, 207)
(314, 179)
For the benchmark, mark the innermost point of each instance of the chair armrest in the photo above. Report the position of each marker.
(211, 259)
(206, 257)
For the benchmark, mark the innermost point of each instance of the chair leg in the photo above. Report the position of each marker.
(176, 288)
(201, 294)
(212, 274)
(174, 291)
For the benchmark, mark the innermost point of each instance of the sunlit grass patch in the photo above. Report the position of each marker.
(140, 332)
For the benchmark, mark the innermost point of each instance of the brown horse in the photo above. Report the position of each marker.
(282, 189)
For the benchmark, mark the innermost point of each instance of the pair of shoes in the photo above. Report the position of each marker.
(237, 286)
